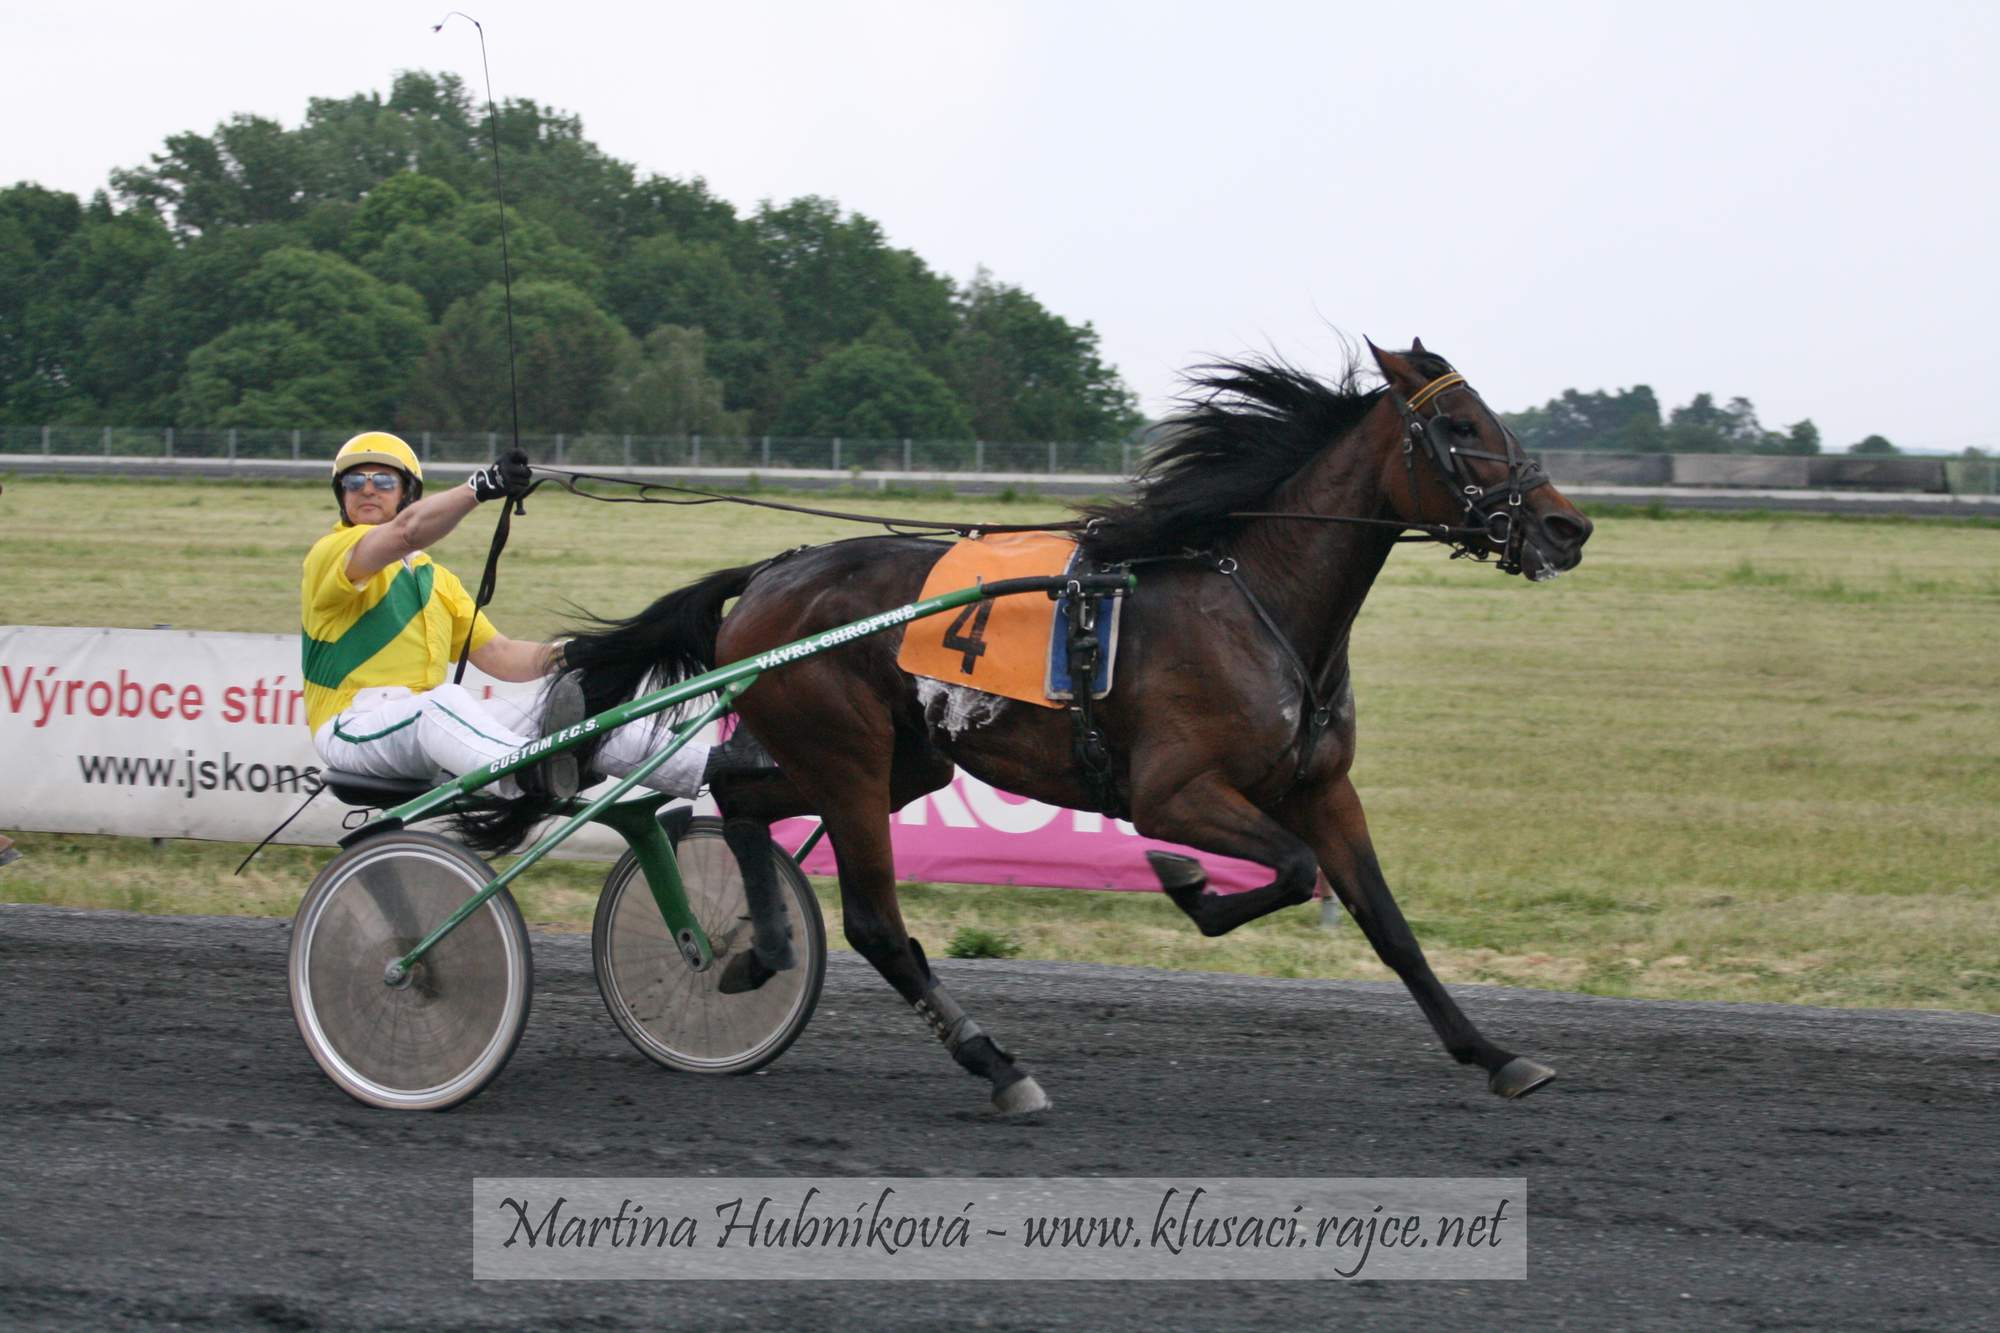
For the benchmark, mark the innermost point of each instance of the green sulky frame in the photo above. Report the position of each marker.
(637, 820)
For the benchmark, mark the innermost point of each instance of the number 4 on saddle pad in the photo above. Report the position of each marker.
(1015, 647)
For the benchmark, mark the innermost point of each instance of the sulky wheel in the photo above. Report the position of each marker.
(445, 1031)
(677, 1016)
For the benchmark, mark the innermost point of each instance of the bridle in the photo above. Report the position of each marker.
(1492, 513)
(1493, 521)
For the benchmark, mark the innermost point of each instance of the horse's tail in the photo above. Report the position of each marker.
(670, 640)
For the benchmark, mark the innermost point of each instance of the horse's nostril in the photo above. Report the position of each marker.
(1571, 531)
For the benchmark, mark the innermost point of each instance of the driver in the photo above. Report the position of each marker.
(383, 624)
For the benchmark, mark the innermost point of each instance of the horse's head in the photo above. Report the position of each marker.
(1458, 467)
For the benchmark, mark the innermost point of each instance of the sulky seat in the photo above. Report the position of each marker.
(372, 792)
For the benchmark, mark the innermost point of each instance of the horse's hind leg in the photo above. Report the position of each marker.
(843, 766)
(873, 923)
(1339, 832)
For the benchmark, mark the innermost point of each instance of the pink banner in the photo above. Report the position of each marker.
(970, 833)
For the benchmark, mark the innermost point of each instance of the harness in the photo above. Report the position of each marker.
(1490, 511)
(1087, 744)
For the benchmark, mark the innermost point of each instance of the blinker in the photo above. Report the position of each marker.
(1437, 434)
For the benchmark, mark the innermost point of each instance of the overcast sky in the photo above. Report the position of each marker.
(1790, 201)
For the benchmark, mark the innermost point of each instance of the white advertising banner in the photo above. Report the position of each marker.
(163, 734)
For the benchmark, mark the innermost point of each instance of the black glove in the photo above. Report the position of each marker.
(509, 477)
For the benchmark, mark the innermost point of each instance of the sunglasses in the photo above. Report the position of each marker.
(382, 481)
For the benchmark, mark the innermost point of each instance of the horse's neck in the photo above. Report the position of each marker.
(1312, 576)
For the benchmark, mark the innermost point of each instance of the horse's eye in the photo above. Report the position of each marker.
(1463, 429)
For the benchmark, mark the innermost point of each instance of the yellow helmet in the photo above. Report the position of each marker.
(379, 446)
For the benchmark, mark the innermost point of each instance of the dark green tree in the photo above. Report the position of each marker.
(60, 343)
(1873, 444)
(368, 336)
(251, 170)
(1028, 374)
(569, 350)
(666, 280)
(1627, 421)
(835, 274)
(1801, 437)
(34, 224)
(663, 386)
(662, 206)
(268, 373)
(103, 311)
(1700, 427)
(1746, 433)
(195, 295)
(457, 254)
(407, 198)
(870, 392)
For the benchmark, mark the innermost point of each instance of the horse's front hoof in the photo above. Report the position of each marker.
(1021, 1097)
(744, 973)
(1519, 1077)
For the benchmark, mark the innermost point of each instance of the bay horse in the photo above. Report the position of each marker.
(1230, 728)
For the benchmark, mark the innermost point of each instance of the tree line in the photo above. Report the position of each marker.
(347, 272)
(1629, 421)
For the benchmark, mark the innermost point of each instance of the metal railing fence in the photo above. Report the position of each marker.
(588, 450)
(601, 450)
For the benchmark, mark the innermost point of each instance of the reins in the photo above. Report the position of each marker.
(906, 527)
(1493, 507)
(489, 578)
(567, 480)
(1419, 532)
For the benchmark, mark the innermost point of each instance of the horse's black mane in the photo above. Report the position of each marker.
(1244, 428)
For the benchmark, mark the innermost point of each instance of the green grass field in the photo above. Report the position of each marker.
(1732, 757)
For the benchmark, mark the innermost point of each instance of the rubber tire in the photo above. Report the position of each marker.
(630, 949)
(479, 978)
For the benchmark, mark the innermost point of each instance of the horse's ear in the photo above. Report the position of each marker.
(1390, 364)
(1416, 344)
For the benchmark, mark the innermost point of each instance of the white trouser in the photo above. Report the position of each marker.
(391, 732)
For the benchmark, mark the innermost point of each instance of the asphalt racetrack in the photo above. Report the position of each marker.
(171, 1155)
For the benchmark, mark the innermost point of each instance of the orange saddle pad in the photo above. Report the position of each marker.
(1000, 646)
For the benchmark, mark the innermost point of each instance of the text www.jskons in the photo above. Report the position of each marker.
(189, 773)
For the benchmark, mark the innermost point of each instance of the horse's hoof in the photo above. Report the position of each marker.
(743, 973)
(1177, 872)
(1519, 1077)
(1021, 1097)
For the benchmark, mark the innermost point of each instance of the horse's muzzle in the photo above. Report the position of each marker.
(1555, 544)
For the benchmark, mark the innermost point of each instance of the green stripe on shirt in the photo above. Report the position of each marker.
(327, 664)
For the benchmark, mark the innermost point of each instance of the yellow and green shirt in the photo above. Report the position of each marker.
(403, 627)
